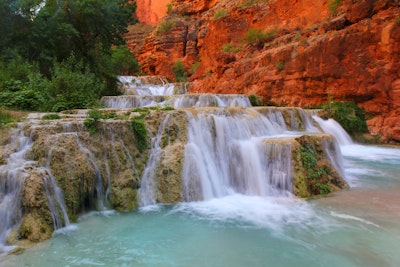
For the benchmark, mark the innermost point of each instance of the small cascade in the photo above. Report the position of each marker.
(101, 200)
(334, 128)
(156, 86)
(147, 191)
(230, 153)
(208, 100)
(12, 177)
(176, 101)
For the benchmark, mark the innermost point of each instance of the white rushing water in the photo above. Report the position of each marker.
(176, 101)
(357, 227)
(227, 154)
(135, 86)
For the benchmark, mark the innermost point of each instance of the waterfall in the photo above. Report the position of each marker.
(147, 191)
(12, 177)
(101, 200)
(334, 128)
(135, 86)
(176, 101)
(230, 153)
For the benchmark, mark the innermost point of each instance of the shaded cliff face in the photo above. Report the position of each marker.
(292, 53)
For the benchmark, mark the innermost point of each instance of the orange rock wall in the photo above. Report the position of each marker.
(151, 11)
(312, 57)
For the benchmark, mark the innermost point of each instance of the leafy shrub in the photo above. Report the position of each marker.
(164, 27)
(178, 69)
(333, 5)
(74, 86)
(256, 101)
(348, 115)
(314, 172)
(194, 67)
(140, 132)
(92, 120)
(230, 48)
(280, 65)
(51, 116)
(168, 108)
(5, 117)
(257, 37)
(123, 62)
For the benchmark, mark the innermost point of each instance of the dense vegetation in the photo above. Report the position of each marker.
(57, 55)
(351, 117)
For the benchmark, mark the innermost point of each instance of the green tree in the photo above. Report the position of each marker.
(48, 33)
(123, 62)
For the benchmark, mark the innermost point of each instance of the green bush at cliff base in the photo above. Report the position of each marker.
(178, 69)
(256, 101)
(348, 115)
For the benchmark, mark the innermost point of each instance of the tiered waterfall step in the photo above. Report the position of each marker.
(176, 101)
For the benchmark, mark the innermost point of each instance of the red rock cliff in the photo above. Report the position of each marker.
(151, 11)
(290, 52)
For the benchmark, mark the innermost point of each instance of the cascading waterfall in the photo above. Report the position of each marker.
(101, 200)
(12, 177)
(230, 153)
(176, 101)
(135, 86)
(147, 191)
(334, 128)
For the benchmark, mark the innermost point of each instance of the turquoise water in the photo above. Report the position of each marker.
(356, 227)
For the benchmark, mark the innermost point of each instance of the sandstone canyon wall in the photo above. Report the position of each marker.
(151, 11)
(290, 52)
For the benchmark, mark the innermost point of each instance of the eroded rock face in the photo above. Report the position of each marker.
(313, 53)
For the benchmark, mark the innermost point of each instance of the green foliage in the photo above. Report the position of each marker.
(194, 67)
(168, 108)
(333, 5)
(74, 86)
(349, 116)
(397, 20)
(257, 37)
(123, 62)
(178, 69)
(220, 14)
(42, 38)
(92, 120)
(140, 132)
(231, 48)
(51, 116)
(142, 111)
(280, 65)
(323, 188)
(314, 172)
(308, 157)
(5, 117)
(256, 101)
(164, 27)
(169, 8)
